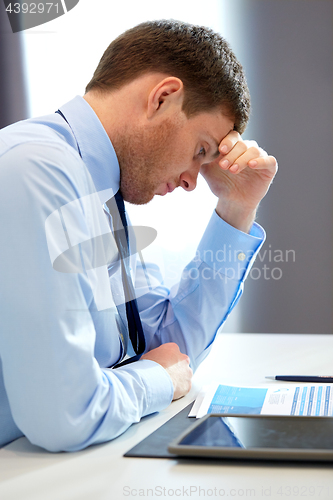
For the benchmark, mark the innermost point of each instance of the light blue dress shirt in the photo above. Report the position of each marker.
(60, 327)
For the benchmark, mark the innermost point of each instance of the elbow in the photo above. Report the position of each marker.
(65, 434)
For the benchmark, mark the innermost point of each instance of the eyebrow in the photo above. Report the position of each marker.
(217, 153)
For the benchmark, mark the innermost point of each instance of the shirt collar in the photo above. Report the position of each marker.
(94, 146)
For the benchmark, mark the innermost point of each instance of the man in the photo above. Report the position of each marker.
(167, 101)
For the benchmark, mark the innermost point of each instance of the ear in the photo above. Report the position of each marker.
(167, 95)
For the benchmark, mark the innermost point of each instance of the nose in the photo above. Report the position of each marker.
(188, 179)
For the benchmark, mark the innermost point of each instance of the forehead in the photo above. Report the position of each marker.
(213, 123)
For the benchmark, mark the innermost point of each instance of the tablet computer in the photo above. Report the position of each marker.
(257, 437)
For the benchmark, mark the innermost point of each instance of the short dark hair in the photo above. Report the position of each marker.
(202, 59)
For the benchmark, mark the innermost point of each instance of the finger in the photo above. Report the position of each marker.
(239, 156)
(228, 142)
(187, 359)
(242, 162)
(264, 162)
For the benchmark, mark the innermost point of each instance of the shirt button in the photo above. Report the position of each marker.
(241, 256)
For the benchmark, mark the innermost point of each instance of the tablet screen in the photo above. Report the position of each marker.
(263, 432)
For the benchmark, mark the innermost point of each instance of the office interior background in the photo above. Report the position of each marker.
(285, 47)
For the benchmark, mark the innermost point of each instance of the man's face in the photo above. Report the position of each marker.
(154, 160)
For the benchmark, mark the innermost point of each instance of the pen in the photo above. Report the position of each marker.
(303, 378)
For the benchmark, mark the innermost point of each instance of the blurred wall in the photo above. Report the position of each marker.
(286, 49)
(13, 96)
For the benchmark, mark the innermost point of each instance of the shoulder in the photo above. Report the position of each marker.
(35, 135)
(35, 152)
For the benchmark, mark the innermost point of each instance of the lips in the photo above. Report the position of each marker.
(167, 188)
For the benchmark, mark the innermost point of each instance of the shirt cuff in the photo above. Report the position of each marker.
(228, 250)
(157, 382)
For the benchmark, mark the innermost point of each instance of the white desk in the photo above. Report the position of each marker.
(102, 473)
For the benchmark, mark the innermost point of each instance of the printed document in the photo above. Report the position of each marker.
(289, 399)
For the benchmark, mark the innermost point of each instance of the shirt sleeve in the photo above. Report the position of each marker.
(59, 395)
(192, 312)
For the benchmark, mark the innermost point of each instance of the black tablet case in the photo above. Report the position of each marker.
(156, 444)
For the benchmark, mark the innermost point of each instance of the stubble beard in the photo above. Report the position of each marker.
(143, 155)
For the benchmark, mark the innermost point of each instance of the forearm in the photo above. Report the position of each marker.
(237, 215)
(209, 289)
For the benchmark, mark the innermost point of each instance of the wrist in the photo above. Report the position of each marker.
(236, 215)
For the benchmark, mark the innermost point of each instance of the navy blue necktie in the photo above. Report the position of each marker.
(117, 210)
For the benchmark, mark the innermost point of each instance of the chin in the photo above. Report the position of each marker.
(136, 198)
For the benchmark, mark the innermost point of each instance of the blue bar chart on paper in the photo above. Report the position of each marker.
(291, 399)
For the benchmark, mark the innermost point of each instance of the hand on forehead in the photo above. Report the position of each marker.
(237, 154)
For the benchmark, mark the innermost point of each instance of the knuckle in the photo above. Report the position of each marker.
(185, 358)
(263, 152)
(251, 143)
(173, 345)
(255, 151)
(274, 162)
(236, 135)
(238, 149)
(243, 147)
(230, 139)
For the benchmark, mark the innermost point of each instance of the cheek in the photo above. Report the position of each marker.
(182, 154)
(173, 150)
